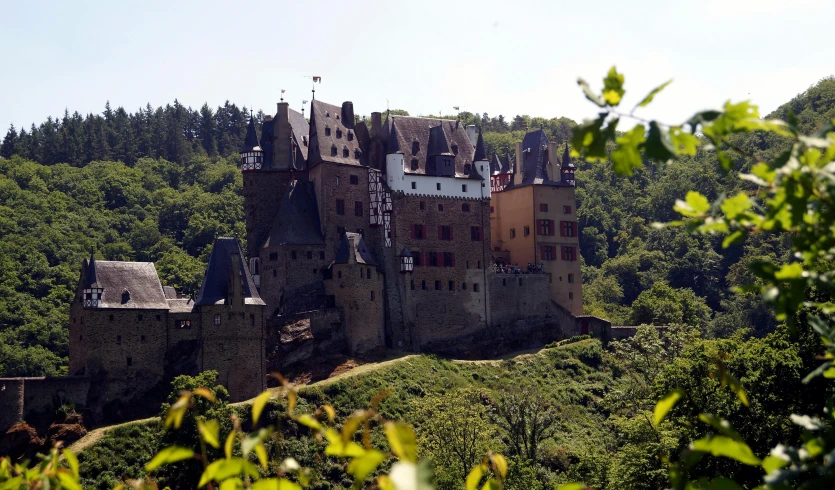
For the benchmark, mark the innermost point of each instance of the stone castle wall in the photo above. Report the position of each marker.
(358, 292)
(24, 398)
(11, 402)
(263, 192)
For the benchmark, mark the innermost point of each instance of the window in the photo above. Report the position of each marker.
(475, 234)
(414, 164)
(321, 255)
(372, 295)
(513, 233)
(414, 185)
(433, 259)
(526, 231)
(157, 317)
(437, 285)
(464, 286)
(340, 231)
(440, 206)
(345, 152)
(423, 285)
(142, 338)
(569, 253)
(543, 208)
(333, 150)
(417, 232)
(465, 207)
(416, 257)
(130, 361)
(293, 255)
(415, 147)
(566, 210)
(449, 259)
(546, 227)
(452, 285)
(358, 207)
(139, 317)
(548, 252)
(118, 339)
(327, 131)
(338, 133)
(444, 232)
(438, 186)
(273, 256)
(571, 278)
(183, 324)
(217, 319)
(463, 187)
(251, 320)
(357, 153)
(111, 318)
(568, 228)
(422, 205)
(350, 136)
(339, 274)
(354, 180)
(475, 287)
(309, 255)
(340, 207)
(492, 209)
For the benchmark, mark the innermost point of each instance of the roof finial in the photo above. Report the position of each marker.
(281, 99)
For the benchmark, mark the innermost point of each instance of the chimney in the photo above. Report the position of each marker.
(352, 248)
(376, 125)
(281, 138)
(555, 163)
(471, 133)
(348, 114)
(236, 296)
(517, 172)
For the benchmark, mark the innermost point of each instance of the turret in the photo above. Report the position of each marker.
(252, 157)
(480, 162)
(567, 168)
(93, 290)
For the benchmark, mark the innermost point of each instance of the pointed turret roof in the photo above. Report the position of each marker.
(354, 244)
(92, 279)
(507, 166)
(480, 154)
(227, 257)
(393, 145)
(251, 140)
(566, 158)
(495, 165)
(297, 220)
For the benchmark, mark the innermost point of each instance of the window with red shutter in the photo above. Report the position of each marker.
(412, 232)
(551, 227)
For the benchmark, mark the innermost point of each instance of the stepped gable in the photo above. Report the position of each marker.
(409, 130)
(301, 133)
(140, 279)
(251, 140)
(353, 246)
(339, 122)
(535, 160)
(216, 288)
(297, 220)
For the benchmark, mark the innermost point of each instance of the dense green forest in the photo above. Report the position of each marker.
(174, 184)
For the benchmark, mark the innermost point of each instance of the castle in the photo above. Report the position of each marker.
(401, 234)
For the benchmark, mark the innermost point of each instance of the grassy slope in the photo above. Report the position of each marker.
(576, 376)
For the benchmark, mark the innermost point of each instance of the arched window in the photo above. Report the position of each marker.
(414, 164)
(327, 131)
(357, 152)
(333, 150)
(344, 152)
(415, 147)
(338, 133)
(350, 136)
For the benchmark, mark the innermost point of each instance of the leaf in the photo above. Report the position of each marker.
(261, 452)
(205, 393)
(169, 455)
(771, 463)
(338, 447)
(720, 483)
(209, 431)
(658, 145)
(721, 425)
(330, 411)
(68, 481)
(226, 468)
(572, 486)
(177, 411)
(401, 438)
(492, 484)
(627, 155)
(735, 386)
(734, 238)
(410, 476)
(307, 420)
(726, 447)
(259, 404)
(72, 460)
(275, 484)
(683, 142)
(229, 445)
(252, 440)
(663, 407)
(809, 423)
(694, 204)
(232, 484)
(474, 477)
(352, 424)
(735, 206)
(499, 464)
(589, 93)
(385, 483)
(292, 398)
(653, 93)
(362, 466)
(789, 272)
(613, 87)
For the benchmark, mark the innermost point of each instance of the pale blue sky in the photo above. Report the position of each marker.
(499, 57)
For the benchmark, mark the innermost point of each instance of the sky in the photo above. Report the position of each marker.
(424, 56)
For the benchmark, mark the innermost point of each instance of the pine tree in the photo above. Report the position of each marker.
(207, 130)
(7, 148)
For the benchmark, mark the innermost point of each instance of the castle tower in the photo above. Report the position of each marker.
(232, 317)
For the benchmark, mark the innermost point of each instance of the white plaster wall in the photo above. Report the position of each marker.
(427, 185)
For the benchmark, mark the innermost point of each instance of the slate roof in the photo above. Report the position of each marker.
(139, 278)
(301, 131)
(297, 220)
(217, 281)
(495, 165)
(437, 142)
(91, 280)
(169, 292)
(480, 154)
(182, 305)
(407, 129)
(566, 159)
(535, 160)
(354, 242)
(251, 140)
(322, 116)
(267, 144)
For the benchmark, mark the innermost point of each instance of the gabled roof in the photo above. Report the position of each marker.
(408, 130)
(297, 220)
(437, 142)
(354, 244)
(140, 279)
(301, 132)
(217, 285)
(322, 116)
(535, 161)
(251, 140)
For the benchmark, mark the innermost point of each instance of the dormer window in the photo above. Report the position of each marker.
(125, 296)
(327, 131)
(327, 114)
(304, 140)
(333, 150)
(357, 152)
(338, 133)
(414, 164)
(350, 136)
(467, 168)
(344, 152)
(415, 147)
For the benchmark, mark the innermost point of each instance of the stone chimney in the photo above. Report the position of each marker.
(471, 133)
(348, 114)
(376, 125)
(281, 138)
(517, 174)
(554, 171)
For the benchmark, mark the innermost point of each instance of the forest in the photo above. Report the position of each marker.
(577, 410)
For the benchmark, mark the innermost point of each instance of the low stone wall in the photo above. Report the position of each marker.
(21, 398)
